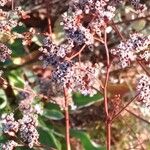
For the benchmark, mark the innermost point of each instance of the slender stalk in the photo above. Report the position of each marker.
(76, 54)
(137, 116)
(108, 124)
(12, 4)
(143, 67)
(106, 48)
(48, 17)
(118, 32)
(130, 20)
(67, 121)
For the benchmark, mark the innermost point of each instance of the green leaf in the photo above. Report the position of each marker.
(138, 25)
(15, 78)
(23, 148)
(3, 139)
(81, 100)
(86, 141)
(47, 136)
(53, 114)
(17, 48)
(20, 29)
(52, 106)
(3, 99)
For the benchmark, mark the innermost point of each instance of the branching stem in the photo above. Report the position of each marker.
(67, 121)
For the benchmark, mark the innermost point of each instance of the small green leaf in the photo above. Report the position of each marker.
(138, 25)
(20, 29)
(81, 100)
(17, 48)
(15, 78)
(53, 114)
(3, 99)
(87, 143)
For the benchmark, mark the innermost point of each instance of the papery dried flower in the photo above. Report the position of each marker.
(9, 125)
(27, 130)
(9, 19)
(7, 25)
(27, 37)
(140, 8)
(143, 88)
(4, 2)
(145, 55)
(131, 49)
(10, 145)
(38, 109)
(4, 52)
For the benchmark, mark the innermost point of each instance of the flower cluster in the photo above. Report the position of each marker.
(143, 88)
(28, 132)
(53, 54)
(132, 49)
(10, 19)
(78, 77)
(10, 145)
(25, 128)
(80, 29)
(140, 8)
(10, 126)
(4, 52)
(27, 37)
(4, 2)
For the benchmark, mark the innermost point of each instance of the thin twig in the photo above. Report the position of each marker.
(143, 67)
(76, 54)
(137, 116)
(118, 32)
(131, 20)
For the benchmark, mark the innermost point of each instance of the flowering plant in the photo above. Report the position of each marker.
(90, 56)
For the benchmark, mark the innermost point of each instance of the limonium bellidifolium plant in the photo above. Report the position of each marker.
(62, 60)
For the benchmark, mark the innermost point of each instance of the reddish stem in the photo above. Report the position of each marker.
(48, 17)
(76, 54)
(143, 67)
(108, 124)
(67, 121)
(12, 4)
